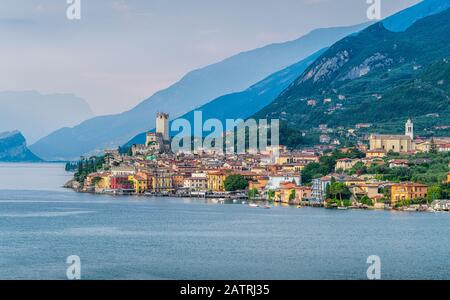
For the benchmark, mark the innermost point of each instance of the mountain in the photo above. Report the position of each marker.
(197, 88)
(13, 148)
(37, 115)
(375, 76)
(244, 104)
(405, 18)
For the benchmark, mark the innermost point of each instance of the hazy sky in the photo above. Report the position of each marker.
(121, 52)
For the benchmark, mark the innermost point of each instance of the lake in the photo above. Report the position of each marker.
(41, 224)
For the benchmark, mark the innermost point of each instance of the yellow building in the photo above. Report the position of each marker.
(139, 183)
(293, 168)
(408, 191)
(376, 153)
(351, 181)
(346, 163)
(162, 182)
(284, 159)
(448, 177)
(216, 180)
(104, 183)
(395, 143)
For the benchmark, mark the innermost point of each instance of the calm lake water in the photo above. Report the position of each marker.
(42, 224)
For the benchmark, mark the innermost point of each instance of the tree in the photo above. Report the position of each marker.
(366, 201)
(235, 182)
(433, 147)
(96, 180)
(328, 163)
(271, 195)
(434, 193)
(359, 168)
(311, 171)
(339, 190)
(253, 193)
(292, 195)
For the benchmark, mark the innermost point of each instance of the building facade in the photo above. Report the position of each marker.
(407, 191)
(395, 143)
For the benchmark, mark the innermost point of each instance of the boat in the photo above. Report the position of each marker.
(253, 205)
(411, 209)
(267, 206)
(342, 208)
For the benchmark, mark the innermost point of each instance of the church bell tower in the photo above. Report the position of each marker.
(409, 129)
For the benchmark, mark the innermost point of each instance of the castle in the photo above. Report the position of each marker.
(158, 141)
(395, 143)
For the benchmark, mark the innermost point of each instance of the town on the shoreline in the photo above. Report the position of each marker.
(401, 172)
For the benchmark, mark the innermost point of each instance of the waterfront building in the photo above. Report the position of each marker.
(259, 184)
(216, 180)
(319, 188)
(162, 181)
(104, 183)
(407, 191)
(121, 182)
(302, 193)
(285, 192)
(178, 180)
(196, 182)
(276, 180)
(139, 183)
(370, 190)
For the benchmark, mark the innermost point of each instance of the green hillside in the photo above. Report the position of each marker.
(376, 76)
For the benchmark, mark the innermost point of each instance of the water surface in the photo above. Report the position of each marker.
(41, 224)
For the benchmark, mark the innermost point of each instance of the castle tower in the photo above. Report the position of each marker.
(162, 125)
(409, 129)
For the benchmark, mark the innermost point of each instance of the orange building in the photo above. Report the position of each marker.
(408, 191)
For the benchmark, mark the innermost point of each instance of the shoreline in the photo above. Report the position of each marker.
(222, 198)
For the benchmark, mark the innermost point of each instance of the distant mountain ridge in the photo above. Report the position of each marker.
(197, 88)
(13, 148)
(36, 115)
(244, 104)
(405, 18)
(375, 76)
